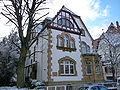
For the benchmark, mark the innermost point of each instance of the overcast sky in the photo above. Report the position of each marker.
(96, 14)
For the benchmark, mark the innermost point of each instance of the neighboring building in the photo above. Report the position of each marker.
(64, 52)
(108, 45)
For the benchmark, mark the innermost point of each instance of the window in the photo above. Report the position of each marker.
(88, 67)
(85, 48)
(69, 87)
(65, 22)
(88, 49)
(60, 42)
(67, 66)
(66, 41)
(71, 44)
(97, 69)
(108, 70)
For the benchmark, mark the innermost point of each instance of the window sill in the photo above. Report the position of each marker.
(66, 48)
(89, 74)
(67, 75)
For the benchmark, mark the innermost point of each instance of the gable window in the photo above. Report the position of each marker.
(65, 22)
(67, 67)
(65, 42)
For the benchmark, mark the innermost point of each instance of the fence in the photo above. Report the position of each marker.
(58, 87)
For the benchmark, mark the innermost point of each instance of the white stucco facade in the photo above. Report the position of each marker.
(58, 54)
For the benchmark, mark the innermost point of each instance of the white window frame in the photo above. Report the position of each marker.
(72, 44)
(60, 42)
(66, 41)
(69, 64)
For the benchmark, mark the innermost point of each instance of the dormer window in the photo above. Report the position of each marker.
(65, 23)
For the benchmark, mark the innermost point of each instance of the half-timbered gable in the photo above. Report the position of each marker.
(64, 21)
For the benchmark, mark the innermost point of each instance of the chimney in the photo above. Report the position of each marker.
(117, 23)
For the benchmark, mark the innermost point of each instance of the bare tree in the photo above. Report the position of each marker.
(23, 14)
(111, 54)
(114, 55)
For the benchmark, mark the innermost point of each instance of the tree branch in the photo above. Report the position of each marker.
(11, 20)
(16, 45)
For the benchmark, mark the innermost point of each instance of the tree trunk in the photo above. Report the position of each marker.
(21, 67)
(113, 73)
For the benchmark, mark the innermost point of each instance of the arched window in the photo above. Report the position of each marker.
(66, 41)
(60, 42)
(65, 22)
(67, 67)
(84, 49)
(72, 44)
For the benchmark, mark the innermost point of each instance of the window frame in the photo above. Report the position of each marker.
(67, 65)
(70, 63)
(97, 69)
(84, 49)
(87, 48)
(72, 45)
(66, 42)
(60, 42)
(88, 64)
(64, 21)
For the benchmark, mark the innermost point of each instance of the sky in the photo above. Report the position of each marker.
(96, 14)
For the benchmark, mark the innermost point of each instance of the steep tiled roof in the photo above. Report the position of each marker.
(112, 35)
(66, 9)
